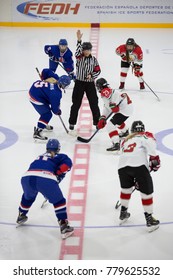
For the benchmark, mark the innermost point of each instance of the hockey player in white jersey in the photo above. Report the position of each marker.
(137, 160)
(121, 106)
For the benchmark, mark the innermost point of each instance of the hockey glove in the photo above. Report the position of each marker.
(60, 177)
(154, 163)
(114, 107)
(59, 112)
(53, 58)
(102, 122)
(124, 58)
(72, 76)
(137, 68)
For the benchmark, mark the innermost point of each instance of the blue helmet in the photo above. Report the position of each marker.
(53, 145)
(64, 81)
(63, 42)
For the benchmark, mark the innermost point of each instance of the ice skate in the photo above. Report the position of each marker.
(71, 126)
(65, 229)
(142, 86)
(122, 85)
(151, 222)
(38, 134)
(124, 215)
(49, 128)
(115, 147)
(124, 134)
(21, 219)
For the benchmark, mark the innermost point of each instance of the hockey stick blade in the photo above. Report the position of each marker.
(87, 140)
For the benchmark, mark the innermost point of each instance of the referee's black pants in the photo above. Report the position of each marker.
(80, 88)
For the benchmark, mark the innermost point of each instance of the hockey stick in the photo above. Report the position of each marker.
(44, 202)
(58, 115)
(147, 85)
(58, 62)
(62, 67)
(89, 139)
(38, 72)
(151, 89)
(118, 204)
(63, 124)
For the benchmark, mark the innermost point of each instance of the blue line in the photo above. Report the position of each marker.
(85, 227)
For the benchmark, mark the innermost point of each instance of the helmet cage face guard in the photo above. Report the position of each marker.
(64, 81)
(101, 84)
(137, 126)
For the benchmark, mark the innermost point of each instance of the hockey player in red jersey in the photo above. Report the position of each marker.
(137, 160)
(131, 54)
(121, 106)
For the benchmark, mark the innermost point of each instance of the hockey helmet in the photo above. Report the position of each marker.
(47, 73)
(53, 145)
(137, 126)
(86, 46)
(63, 42)
(130, 41)
(64, 81)
(101, 83)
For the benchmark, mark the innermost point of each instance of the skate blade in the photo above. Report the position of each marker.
(153, 228)
(21, 224)
(123, 221)
(40, 141)
(67, 234)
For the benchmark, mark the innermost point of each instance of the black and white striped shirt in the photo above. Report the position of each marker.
(86, 65)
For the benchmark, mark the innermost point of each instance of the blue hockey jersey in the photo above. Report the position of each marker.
(45, 165)
(55, 55)
(44, 93)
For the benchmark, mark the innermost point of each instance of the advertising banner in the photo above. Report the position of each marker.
(98, 11)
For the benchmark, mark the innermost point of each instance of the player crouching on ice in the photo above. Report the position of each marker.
(121, 107)
(44, 176)
(135, 166)
(45, 96)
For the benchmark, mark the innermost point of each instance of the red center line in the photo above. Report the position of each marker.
(72, 248)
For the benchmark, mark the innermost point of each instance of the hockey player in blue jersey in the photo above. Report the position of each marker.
(43, 176)
(60, 53)
(45, 96)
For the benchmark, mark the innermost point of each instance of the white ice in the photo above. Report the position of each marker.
(21, 50)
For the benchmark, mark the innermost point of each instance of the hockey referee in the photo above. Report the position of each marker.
(87, 70)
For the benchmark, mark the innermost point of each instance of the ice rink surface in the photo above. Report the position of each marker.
(21, 50)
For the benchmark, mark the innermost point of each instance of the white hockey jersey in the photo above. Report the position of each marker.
(109, 96)
(136, 148)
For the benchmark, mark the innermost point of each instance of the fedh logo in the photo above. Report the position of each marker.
(47, 10)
